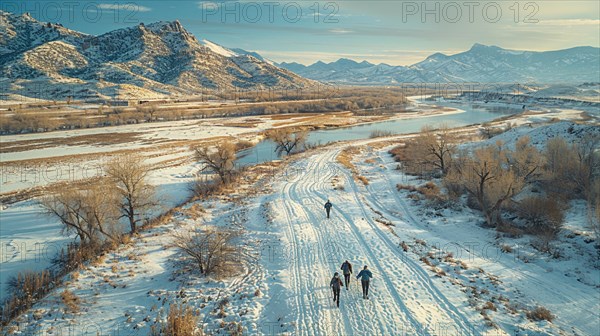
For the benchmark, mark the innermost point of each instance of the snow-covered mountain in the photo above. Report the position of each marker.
(488, 64)
(46, 60)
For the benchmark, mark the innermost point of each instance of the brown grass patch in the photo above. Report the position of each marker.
(345, 158)
(539, 314)
(489, 306)
(70, 300)
(181, 321)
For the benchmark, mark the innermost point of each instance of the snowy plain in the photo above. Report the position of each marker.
(290, 252)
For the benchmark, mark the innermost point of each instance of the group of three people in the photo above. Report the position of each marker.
(336, 283)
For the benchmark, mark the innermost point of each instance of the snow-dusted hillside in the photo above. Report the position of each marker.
(49, 61)
(484, 64)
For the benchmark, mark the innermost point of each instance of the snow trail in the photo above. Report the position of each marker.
(403, 299)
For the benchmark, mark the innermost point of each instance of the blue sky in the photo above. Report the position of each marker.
(394, 32)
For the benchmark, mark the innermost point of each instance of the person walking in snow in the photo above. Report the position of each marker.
(347, 270)
(365, 277)
(336, 285)
(328, 206)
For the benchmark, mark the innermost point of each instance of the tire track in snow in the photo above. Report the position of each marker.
(458, 319)
(392, 311)
(298, 223)
(347, 309)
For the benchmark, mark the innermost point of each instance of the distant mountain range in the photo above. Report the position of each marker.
(45, 60)
(49, 61)
(487, 64)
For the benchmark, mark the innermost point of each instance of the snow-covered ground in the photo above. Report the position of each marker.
(166, 145)
(289, 252)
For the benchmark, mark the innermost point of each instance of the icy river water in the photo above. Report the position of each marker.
(471, 114)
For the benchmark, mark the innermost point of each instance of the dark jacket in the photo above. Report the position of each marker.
(347, 268)
(336, 283)
(365, 275)
(328, 205)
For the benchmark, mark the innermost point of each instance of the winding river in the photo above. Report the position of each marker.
(467, 114)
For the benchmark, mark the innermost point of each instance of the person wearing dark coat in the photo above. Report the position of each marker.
(347, 270)
(328, 206)
(365, 277)
(336, 285)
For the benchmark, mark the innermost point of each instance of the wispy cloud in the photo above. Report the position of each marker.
(125, 7)
(570, 22)
(340, 31)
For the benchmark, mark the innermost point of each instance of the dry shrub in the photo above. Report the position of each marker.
(454, 189)
(506, 248)
(539, 314)
(408, 187)
(70, 300)
(363, 179)
(490, 132)
(510, 230)
(426, 261)
(414, 197)
(25, 289)
(203, 188)
(195, 211)
(212, 249)
(544, 215)
(431, 191)
(397, 152)
(489, 306)
(380, 133)
(438, 271)
(181, 321)
(235, 329)
(404, 246)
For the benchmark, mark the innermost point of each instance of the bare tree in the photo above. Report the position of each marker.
(438, 146)
(526, 161)
(90, 213)
(220, 159)
(135, 194)
(212, 249)
(573, 167)
(287, 140)
(68, 207)
(101, 212)
(587, 164)
(492, 175)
